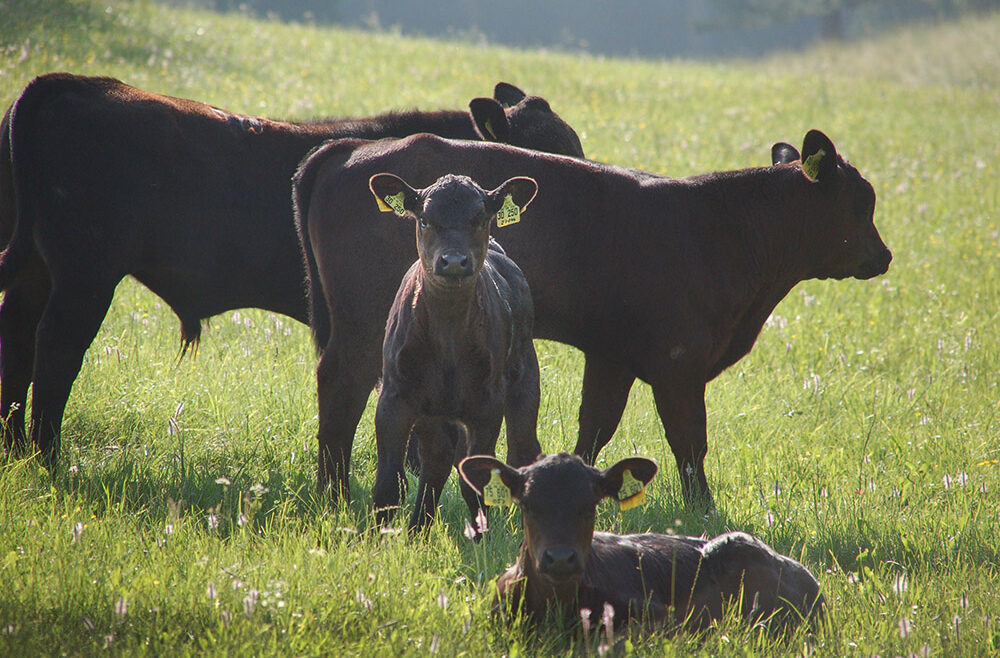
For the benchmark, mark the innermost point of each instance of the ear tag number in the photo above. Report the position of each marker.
(496, 492)
(810, 167)
(632, 492)
(509, 212)
(392, 203)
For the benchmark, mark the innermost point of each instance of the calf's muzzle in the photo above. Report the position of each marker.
(453, 265)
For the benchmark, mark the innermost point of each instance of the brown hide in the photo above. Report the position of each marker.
(100, 180)
(667, 280)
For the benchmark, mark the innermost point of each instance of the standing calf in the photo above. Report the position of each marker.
(457, 355)
(664, 579)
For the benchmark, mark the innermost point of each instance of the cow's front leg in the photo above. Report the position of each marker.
(481, 440)
(606, 385)
(440, 441)
(681, 406)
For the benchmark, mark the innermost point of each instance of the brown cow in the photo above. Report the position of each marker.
(458, 355)
(99, 180)
(660, 579)
(667, 280)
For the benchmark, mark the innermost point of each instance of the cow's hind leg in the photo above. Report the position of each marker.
(20, 313)
(345, 377)
(72, 317)
(606, 385)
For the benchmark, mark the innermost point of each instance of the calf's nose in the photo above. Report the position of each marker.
(453, 264)
(560, 561)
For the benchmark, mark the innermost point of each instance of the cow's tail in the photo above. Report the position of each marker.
(302, 188)
(17, 225)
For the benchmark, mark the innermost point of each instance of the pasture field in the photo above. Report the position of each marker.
(860, 435)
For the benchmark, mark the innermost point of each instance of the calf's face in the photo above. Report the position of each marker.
(453, 218)
(558, 496)
(847, 244)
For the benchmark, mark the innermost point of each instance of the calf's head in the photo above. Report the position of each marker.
(515, 118)
(453, 217)
(558, 496)
(843, 238)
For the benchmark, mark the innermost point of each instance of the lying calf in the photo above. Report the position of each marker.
(457, 355)
(667, 579)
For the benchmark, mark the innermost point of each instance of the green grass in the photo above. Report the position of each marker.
(860, 435)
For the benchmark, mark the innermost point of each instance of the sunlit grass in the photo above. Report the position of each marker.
(860, 435)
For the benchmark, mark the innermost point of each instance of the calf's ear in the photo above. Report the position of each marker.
(479, 470)
(819, 156)
(619, 480)
(508, 94)
(782, 153)
(393, 194)
(490, 120)
(509, 200)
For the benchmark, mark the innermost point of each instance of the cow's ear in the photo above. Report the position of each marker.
(509, 200)
(626, 481)
(782, 153)
(490, 119)
(508, 94)
(819, 156)
(497, 482)
(393, 194)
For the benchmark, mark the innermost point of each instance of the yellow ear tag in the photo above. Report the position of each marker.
(810, 167)
(509, 212)
(489, 129)
(496, 492)
(392, 203)
(632, 492)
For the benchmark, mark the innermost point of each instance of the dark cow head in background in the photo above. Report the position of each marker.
(514, 118)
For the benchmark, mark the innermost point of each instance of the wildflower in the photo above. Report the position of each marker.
(481, 523)
(769, 519)
(469, 531)
(442, 600)
(213, 520)
(608, 619)
(250, 602)
(963, 479)
(168, 529)
(77, 531)
(435, 641)
(121, 607)
(904, 627)
(223, 480)
(211, 591)
(964, 602)
(946, 481)
(242, 519)
(585, 620)
(365, 602)
(900, 585)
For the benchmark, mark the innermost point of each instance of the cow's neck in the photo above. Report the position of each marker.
(447, 312)
(767, 251)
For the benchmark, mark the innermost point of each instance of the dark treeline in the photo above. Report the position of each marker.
(668, 28)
